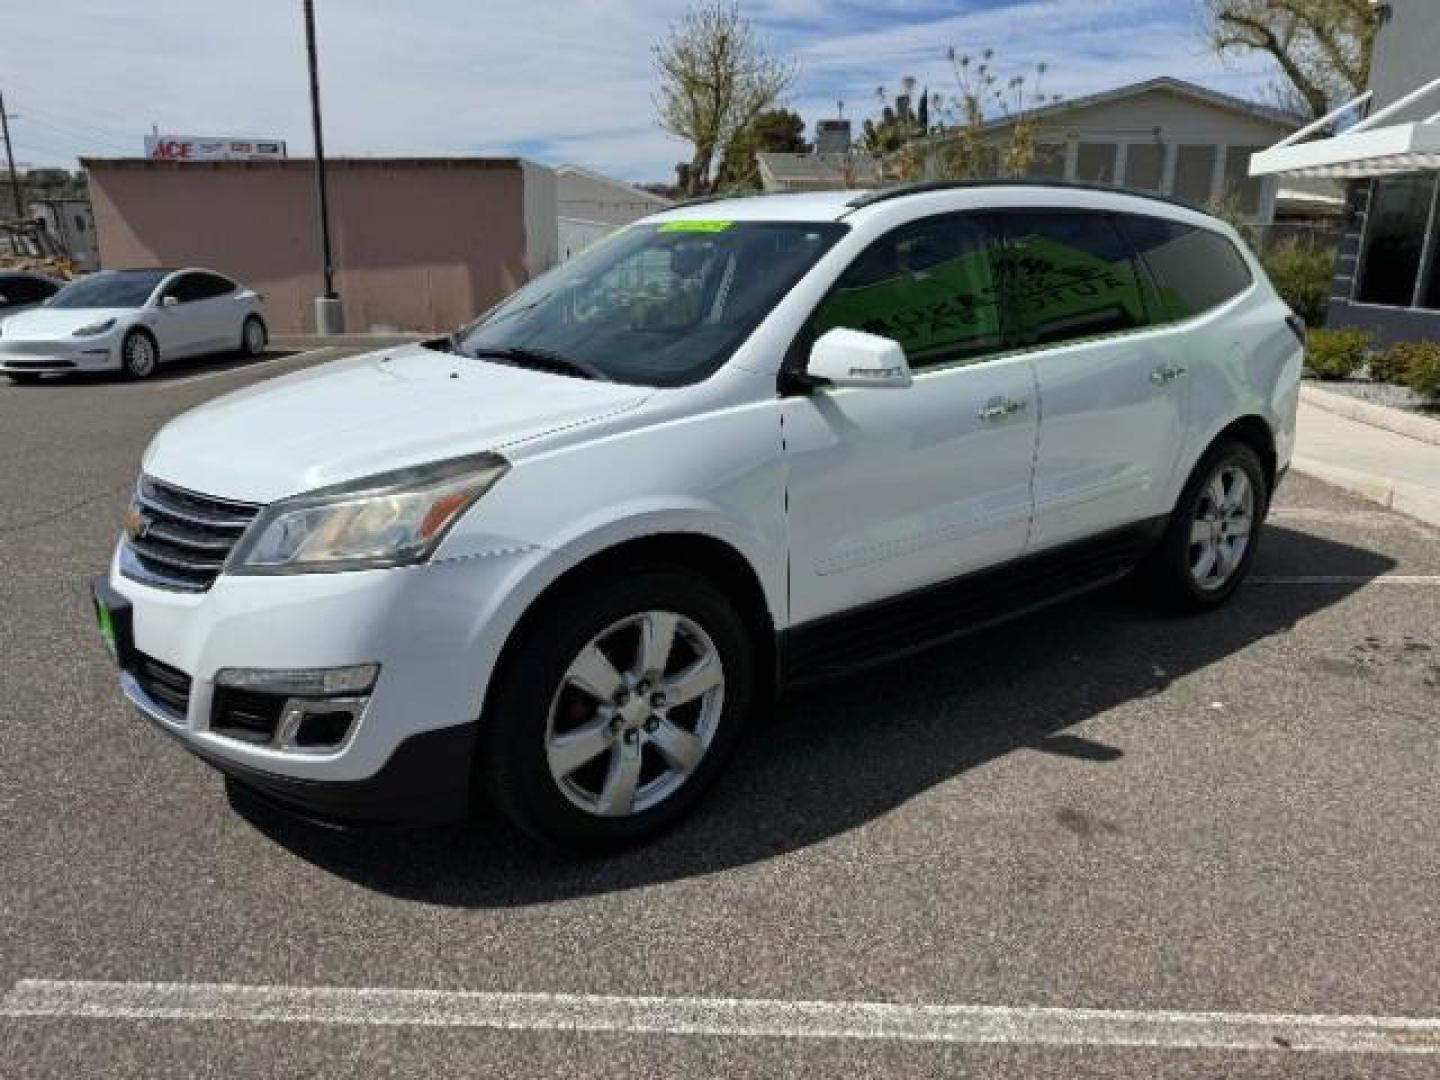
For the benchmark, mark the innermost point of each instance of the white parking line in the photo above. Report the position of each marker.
(1346, 579)
(731, 1017)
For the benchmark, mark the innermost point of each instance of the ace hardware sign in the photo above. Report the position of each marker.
(190, 148)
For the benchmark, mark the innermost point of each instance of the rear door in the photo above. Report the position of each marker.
(1112, 385)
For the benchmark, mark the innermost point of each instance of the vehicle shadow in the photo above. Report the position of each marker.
(169, 371)
(836, 757)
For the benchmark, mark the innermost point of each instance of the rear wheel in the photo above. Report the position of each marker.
(618, 706)
(22, 378)
(253, 336)
(139, 354)
(1212, 536)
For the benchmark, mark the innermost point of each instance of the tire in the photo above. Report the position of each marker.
(1207, 551)
(253, 336)
(540, 721)
(22, 378)
(139, 355)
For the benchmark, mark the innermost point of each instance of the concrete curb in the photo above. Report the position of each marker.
(1399, 495)
(1398, 421)
(306, 342)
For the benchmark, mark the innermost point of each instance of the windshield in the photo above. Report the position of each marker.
(109, 289)
(659, 305)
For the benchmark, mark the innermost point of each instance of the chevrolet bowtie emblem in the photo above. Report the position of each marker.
(136, 524)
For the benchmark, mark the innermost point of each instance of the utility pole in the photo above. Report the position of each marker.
(10, 162)
(329, 314)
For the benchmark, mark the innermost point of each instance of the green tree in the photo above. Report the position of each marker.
(1323, 47)
(716, 78)
(774, 131)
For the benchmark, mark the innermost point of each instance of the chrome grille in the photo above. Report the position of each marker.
(177, 539)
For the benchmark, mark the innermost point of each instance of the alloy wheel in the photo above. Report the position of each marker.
(1220, 532)
(635, 714)
(139, 355)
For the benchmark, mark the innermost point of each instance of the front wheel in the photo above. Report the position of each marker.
(22, 378)
(139, 354)
(1212, 536)
(618, 706)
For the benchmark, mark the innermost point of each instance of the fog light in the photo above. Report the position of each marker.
(301, 682)
(317, 725)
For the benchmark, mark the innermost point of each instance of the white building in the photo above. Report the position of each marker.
(591, 206)
(1387, 275)
(72, 223)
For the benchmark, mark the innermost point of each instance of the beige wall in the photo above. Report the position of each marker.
(418, 245)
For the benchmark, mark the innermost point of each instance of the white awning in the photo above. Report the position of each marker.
(1381, 151)
(1367, 149)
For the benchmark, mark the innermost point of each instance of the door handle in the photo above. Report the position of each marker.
(999, 408)
(1162, 375)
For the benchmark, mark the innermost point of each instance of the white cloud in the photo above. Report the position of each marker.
(559, 80)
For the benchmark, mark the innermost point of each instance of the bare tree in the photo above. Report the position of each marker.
(1323, 47)
(716, 77)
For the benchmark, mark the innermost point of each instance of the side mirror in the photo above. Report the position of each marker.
(854, 358)
(169, 301)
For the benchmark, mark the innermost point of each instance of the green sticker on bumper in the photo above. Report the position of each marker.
(695, 226)
(107, 628)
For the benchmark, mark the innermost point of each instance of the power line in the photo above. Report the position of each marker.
(79, 136)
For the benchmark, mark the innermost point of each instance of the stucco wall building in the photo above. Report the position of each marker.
(419, 243)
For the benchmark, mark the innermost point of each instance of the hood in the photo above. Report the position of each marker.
(48, 324)
(369, 414)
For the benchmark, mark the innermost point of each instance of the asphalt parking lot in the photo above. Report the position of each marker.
(1101, 808)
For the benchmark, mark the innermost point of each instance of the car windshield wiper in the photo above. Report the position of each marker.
(541, 359)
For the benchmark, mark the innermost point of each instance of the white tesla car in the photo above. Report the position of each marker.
(131, 321)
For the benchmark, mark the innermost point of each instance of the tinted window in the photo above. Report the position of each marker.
(929, 285)
(184, 288)
(1395, 239)
(1194, 269)
(21, 289)
(662, 304)
(110, 289)
(209, 286)
(1070, 275)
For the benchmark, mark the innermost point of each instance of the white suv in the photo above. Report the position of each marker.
(558, 557)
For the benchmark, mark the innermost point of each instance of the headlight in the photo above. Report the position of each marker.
(95, 328)
(393, 519)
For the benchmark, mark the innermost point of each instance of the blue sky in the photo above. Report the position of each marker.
(557, 81)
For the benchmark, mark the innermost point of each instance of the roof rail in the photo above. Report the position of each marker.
(870, 198)
(724, 196)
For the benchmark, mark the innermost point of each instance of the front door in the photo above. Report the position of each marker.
(891, 490)
(181, 327)
(1112, 387)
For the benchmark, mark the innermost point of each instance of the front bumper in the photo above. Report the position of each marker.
(100, 353)
(432, 629)
(426, 781)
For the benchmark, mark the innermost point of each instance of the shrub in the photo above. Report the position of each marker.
(1393, 365)
(1422, 370)
(1335, 354)
(1301, 275)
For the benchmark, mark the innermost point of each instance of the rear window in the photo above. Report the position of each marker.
(1071, 276)
(1195, 269)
